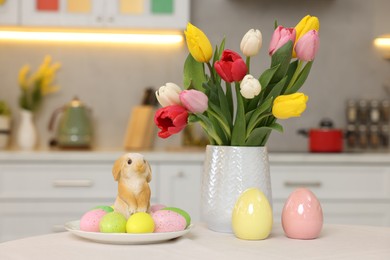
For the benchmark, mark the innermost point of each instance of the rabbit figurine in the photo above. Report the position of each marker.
(133, 173)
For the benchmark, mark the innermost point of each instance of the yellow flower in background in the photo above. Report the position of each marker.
(198, 44)
(23, 81)
(48, 76)
(39, 84)
(307, 23)
(286, 106)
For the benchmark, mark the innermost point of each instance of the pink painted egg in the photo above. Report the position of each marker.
(90, 220)
(168, 221)
(156, 207)
(302, 216)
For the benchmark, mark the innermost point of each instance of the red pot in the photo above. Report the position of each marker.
(325, 139)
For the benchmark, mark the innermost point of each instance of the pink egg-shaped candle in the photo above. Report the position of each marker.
(302, 216)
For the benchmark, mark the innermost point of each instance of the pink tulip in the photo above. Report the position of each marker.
(194, 101)
(231, 67)
(171, 120)
(280, 37)
(307, 46)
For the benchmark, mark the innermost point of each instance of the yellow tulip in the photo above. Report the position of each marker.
(286, 106)
(198, 44)
(307, 23)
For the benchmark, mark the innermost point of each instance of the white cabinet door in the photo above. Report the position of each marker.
(180, 185)
(22, 219)
(9, 11)
(348, 194)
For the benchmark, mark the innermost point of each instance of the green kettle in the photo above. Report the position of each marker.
(74, 129)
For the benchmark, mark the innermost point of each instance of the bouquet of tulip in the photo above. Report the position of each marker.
(243, 110)
(38, 85)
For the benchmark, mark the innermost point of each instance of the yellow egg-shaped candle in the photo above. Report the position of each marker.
(252, 215)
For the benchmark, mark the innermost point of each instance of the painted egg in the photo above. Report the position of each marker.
(302, 216)
(140, 222)
(155, 207)
(181, 212)
(113, 222)
(168, 221)
(252, 215)
(105, 208)
(90, 220)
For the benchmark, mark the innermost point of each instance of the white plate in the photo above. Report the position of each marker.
(124, 238)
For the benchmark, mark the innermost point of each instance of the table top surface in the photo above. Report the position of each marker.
(335, 242)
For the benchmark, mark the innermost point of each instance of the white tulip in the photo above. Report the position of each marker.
(251, 43)
(250, 87)
(168, 95)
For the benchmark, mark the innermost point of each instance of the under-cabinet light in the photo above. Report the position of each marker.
(154, 38)
(382, 44)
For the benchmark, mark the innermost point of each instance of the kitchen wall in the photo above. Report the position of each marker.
(110, 79)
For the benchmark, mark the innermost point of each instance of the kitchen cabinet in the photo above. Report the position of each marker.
(349, 193)
(40, 191)
(180, 185)
(9, 12)
(134, 14)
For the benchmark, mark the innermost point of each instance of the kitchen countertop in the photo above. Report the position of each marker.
(335, 242)
(190, 155)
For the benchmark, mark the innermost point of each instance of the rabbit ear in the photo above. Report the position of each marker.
(149, 172)
(116, 169)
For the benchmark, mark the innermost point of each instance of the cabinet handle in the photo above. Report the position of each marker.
(314, 184)
(72, 183)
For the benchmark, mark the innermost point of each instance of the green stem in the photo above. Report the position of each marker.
(295, 76)
(211, 71)
(248, 63)
(229, 97)
(252, 125)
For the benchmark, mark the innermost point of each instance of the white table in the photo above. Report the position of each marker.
(335, 242)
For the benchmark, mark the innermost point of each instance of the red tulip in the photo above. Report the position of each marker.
(307, 46)
(231, 67)
(280, 37)
(171, 120)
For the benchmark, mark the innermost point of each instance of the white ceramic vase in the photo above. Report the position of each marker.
(5, 131)
(228, 171)
(26, 135)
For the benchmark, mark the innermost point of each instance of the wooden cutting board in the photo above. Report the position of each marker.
(141, 129)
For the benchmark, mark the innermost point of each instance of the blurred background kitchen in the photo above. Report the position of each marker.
(111, 79)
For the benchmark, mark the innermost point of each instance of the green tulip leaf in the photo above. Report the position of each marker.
(260, 134)
(291, 71)
(282, 57)
(209, 128)
(194, 74)
(277, 89)
(221, 48)
(218, 129)
(301, 79)
(257, 115)
(239, 127)
(219, 114)
(267, 76)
